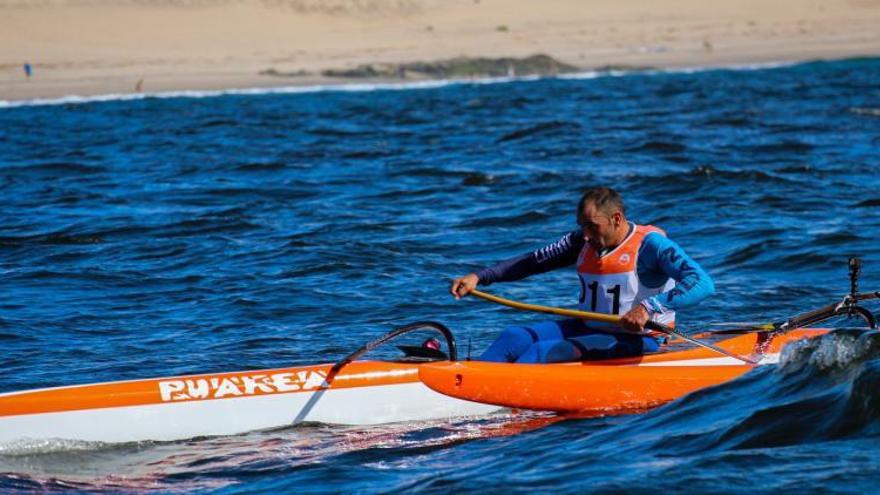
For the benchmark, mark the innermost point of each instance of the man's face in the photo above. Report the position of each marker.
(598, 227)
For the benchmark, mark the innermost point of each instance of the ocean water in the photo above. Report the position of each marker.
(177, 234)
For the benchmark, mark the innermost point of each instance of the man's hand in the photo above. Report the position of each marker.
(463, 286)
(635, 319)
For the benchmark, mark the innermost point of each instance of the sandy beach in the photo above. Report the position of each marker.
(90, 47)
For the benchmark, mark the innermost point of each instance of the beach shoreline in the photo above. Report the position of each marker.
(102, 47)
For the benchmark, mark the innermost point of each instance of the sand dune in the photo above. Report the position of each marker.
(104, 46)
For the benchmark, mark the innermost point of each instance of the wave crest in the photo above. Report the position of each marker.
(840, 350)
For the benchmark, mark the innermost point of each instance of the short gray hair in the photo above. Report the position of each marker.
(605, 199)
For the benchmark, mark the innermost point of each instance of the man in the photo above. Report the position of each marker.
(627, 269)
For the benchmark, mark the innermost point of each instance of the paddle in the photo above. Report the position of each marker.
(604, 318)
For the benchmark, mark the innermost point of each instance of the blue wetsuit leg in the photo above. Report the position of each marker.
(595, 345)
(515, 341)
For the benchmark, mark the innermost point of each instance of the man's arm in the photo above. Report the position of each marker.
(563, 252)
(660, 258)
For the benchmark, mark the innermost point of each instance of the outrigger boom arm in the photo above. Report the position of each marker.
(848, 306)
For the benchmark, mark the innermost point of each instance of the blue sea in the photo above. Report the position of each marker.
(184, 233)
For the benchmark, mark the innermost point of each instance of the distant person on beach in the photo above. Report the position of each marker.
(139, 86)
(624, 269)
(27, 70)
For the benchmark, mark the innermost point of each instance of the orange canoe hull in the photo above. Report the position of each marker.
(611, 385)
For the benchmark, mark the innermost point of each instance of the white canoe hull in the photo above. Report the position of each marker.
(388, 395)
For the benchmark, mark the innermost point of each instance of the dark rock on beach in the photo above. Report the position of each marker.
(535, 65)
(541, 65)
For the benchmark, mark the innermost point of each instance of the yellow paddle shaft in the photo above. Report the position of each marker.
(586, 315)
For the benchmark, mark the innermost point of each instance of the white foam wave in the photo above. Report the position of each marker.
(679, 70)
(364, 87)
(353, 88)
(768, 359)
(29, 446)
(838, 350)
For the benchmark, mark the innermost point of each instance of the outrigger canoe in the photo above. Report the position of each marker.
(365, 392)
(426, 384)
(636, 383)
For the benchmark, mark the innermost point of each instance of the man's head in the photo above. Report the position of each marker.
(602, 216)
